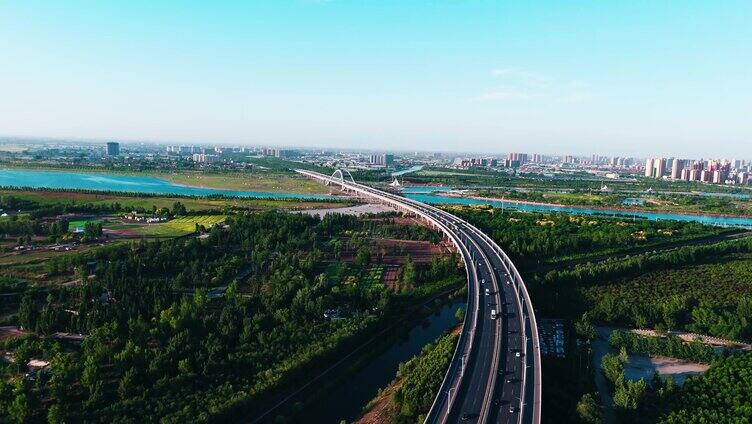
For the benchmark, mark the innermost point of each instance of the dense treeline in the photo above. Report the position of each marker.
(532, 238)
(720, 395)
(45, 209)
(713, 298)
(573, 292)
(25, 226)
(162, 346)
(671, 346)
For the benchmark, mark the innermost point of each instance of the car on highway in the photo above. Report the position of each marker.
(488, 292)
(512, 409)
(469, 416)
(517, 354)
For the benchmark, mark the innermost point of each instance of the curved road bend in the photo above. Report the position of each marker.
(495, 374)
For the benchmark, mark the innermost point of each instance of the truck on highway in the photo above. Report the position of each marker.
(493, 313)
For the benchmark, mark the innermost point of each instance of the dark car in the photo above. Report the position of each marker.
(469, 416)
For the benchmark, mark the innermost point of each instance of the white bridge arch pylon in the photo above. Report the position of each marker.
(342, 175)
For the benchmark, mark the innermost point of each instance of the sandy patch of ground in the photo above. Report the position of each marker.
(10, 331)
(382, 410)
(350, 210)
(645, 366)
(395, 252)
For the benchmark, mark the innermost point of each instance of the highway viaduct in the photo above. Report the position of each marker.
(495, 372)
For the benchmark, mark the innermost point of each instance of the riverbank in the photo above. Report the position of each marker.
(384, 408)
(192, 203)
(121, 183)
(618, 209)
(340, 391)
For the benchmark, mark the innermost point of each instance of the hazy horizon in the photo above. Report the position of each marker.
(634, 79)
(100, 142)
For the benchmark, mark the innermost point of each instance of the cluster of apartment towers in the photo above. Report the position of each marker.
(709, 171)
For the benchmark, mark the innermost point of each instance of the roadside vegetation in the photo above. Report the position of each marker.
(603, 271)
(409, 397)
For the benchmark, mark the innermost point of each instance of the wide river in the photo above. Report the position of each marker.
(123, 183)
(154, 185)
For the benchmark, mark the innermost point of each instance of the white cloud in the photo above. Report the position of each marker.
(507, 93)
(522, 84)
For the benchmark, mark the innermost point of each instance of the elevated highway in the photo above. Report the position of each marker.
(495, 372)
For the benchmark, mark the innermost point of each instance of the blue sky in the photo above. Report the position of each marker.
(609, 77)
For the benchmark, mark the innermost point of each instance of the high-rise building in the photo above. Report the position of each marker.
(649, 167)
(660, 167)
(113, 148)
(520, 157)
(676, 167)
(204, 158)
(385, 159)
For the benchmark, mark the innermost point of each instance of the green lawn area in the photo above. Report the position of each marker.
(371, 279)
(181, 226)
(249, 181)
(81, 223)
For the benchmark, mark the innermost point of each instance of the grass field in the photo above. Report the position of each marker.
(253, 181)
(371, 279)
(80, 223)
(180, 226)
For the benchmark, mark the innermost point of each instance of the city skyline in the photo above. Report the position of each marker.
(623, 79)
(98, 142)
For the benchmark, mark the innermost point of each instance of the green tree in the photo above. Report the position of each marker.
(28, 313)
(460, 315)
(19, 408)
(589, 410)
(629, 394)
